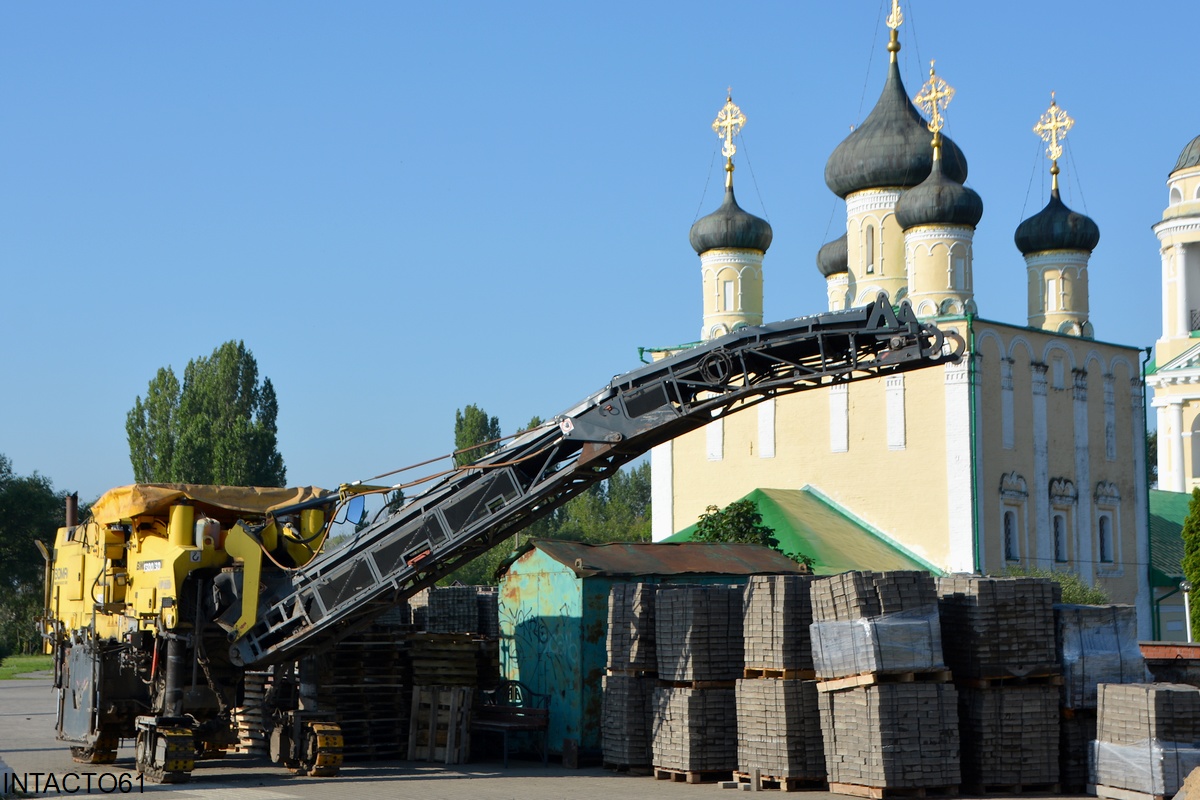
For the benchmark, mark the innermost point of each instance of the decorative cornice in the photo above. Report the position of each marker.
(1038, 371)
(1013, 487)
(1062, 491)
(959, 233)
(724, 255)
(1080, 387)
(1107, 493)
(1176, 225)
(1057, 258)
(871, 200)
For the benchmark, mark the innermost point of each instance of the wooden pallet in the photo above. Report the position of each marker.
(629, 769)
(691, 776)
(785, 674)
(1116, 793)
(876, 678)
(1012, 788)
(887, 792)
(783, 784)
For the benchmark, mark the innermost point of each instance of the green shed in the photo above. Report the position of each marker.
(554, 613)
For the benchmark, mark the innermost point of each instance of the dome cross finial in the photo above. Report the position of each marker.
(933, 98)
(1053, 127)
(728, 124)
(894, 21)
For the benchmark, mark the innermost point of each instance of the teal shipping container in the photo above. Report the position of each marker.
(554, 614)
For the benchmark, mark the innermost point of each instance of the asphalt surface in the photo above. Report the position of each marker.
(28, 746)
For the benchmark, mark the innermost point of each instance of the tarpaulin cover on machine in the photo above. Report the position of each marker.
(126, 502)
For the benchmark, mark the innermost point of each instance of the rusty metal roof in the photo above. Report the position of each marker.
(681, 558)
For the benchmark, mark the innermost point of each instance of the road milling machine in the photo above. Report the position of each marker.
(160, 601)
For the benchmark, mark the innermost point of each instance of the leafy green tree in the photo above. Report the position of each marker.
(30, 510)
(475, 434)
(1152, 457)
(1191, 559)
(1075, 590)
(219, 427)
(741, 522)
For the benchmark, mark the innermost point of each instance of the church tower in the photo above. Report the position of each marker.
(731, 244)
(1057, 243)
(938, 218)
(871, 169)
(1175, 372)
(834, 265)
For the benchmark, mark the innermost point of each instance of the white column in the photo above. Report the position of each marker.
(959, 497)
(839, 418)
(1170, 326)
(662, 491)
(1007, 433)
(1141, 502)
(896, 436)
(1083, 482)
(1183, 325)
(1175, 429)
(1041, 470)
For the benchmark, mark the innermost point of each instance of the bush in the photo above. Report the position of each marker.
(1074, 590)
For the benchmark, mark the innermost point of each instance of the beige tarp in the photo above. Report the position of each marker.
(127, 502)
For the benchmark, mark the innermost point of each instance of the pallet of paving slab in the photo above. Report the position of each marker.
(876, 678)
(1117, 793)
(635, 770)
(786, 674)
(691, 776)
(697, 684)
(632, 673)
(1014, 789)
(1011, 680)
(783, 784)
(888, 792)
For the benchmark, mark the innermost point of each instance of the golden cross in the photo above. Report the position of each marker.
(1053, 127)
(933, 98)
(896, 18)
(728, 124)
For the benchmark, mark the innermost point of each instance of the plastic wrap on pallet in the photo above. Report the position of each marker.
(1152, 766)
(1096, 644)
(906, 641)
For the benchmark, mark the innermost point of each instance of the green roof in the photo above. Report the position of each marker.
(807, 522)
(1168, 510)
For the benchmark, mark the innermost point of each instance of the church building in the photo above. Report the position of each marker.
(1028, 453)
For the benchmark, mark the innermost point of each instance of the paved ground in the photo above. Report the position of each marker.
(27, 745)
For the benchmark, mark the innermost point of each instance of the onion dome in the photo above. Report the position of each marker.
(939, 201)
(1190, 157)
(890, 148)
(730, 227)
(1057, 227)
(834, 257)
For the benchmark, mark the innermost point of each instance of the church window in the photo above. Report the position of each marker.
(727, 299)
(1060, 538)
(1104, 541)
(1011, 551)
(1176, 196)
(870, 249)
(1052, 294)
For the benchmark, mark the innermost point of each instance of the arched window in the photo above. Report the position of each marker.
(1010, 537)
(1104, 538)
(870, 249)
(1176, 196)
(1060, 538)
(727, 301)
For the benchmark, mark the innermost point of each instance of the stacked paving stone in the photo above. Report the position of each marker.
(488, 606)
(627, 711)
(452, 609)
(630, 639)
(779, 731)
(694, 730)
(698, 633)
(1147, 736)
(998, 627)
(891, 735)
(698, 643)
(775, 623)
(875, 622)
(1096, 644)
(999, 637)
(878, 732)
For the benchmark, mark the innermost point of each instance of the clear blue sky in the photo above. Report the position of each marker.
(403, 208)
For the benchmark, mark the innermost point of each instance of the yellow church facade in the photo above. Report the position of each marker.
(1028, 453)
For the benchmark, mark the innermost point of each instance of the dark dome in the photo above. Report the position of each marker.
(1056, 227)
(833, 257)
(1190, 156)
(939, 201)
(890, 148)
(730, 226)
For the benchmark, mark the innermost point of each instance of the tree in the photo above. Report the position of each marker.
(741, 522)
(1152, 457)
(1075, 590)
(219, 427)
(475, 434)
(1191, 558)
(30, 510)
